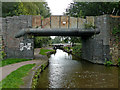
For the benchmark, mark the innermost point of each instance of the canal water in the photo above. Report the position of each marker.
(66, 72)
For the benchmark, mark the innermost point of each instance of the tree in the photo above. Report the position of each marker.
(78, 9)
(8, 9)
(56, 40)
(75, 40)
(25, 8)
(28, 8)
(41, 41)
(82, 9)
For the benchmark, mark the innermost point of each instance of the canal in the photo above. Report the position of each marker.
(64, 71)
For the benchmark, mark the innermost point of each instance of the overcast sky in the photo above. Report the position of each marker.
(57, 7)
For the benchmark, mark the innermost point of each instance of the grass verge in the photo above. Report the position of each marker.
(11, 61)
(44, 51)
(14, 80)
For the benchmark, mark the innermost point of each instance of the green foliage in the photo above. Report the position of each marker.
(44, 51)
(42, 41)
(116, 30)
(25, 8)
(68, 48)
(108, 62)
(78, 9)
(36, 77)
(61, 39)
(87, 26)
(12, 61)
(14, 80)
(116, 33)
(75, 40)
(8, 9)
(43, 66)
(77, 50)
(56, 40)
(118, 61)
(3, 54)
(66, 39)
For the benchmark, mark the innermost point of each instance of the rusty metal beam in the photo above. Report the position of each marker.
(57, 32)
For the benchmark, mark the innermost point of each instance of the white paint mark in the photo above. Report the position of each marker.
(28, 46)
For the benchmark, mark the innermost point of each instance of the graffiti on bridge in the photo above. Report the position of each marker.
(28, 46)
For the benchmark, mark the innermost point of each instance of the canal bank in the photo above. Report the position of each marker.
(77, 53)
(23, 72)
(29, 79)
(33, 76)
(65, 72)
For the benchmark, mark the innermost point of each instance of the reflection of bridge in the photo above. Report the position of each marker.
(95, 42)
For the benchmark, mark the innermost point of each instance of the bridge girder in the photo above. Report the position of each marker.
(57, 32)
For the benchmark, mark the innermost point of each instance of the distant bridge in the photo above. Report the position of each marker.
(61, 44)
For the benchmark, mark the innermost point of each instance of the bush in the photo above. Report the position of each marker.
(118, 61)
(87, 26)
(77, 50)
(3, 54)
(108, 62)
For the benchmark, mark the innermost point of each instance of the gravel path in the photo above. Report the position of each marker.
(39, 56)
(6, 70)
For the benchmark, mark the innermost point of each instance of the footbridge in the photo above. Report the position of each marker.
(18, 34)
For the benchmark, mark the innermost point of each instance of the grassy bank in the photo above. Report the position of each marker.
(37, 74)
(68, 48)
(44, 51)
(11, 61)
(14, 80)
(76, 50)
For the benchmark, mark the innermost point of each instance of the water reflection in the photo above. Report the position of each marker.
(64, 72)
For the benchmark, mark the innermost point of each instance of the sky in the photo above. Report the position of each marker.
(57, 7)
